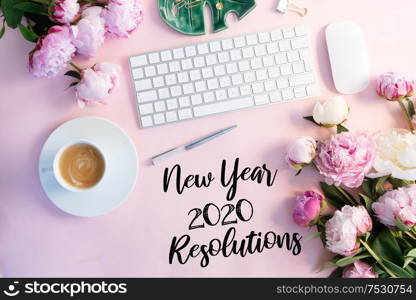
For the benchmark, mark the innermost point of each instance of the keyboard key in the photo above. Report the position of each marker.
(257, 87)
(195, 75)
(282, 83)
(219, 70)
(159, 119)
(248, 52)
(272, 48)
(275, 97)
(183, 77)
(186, 64)
(211, 59)
(215, 46)
(268, 61)
(287, 94)
(166, 55)
(223, 57)
(292, 56)
(223, 106)
(237, 79)
(190, 51)
(185, 114)
(281, 58)
(233, 92)
(232, 68)
(209, 97)
(286, 69)
(225, 81)
(288, 32)
(203, 49)
(154, 58)
(184, 101)
(221, 95)
(251, 39)
(162, 69)
(171, 116)
(274, 72)
(174, 66)
(199, 62)
(249, 77)
(163, 93)
(188, 88)
(235, 54)
(147, 121)
(146, 108)
(170, 79)
(269, 85)
(138, 73)
(260, 50)
(146, 96)
(160, 106)
(227, 44)
(239, 42)
(264, 37)
(212, 84)
(196, 99)
(243, 65)
(261, 99)
(150, 71)
(276, 35)
(256, 63)
(172, 104)
(245, 90)
(284, 46)
(298, 68)
(176, 90)
(138, 61)
(300, 92)
(178, 53)
(261, 75)
(200, 86)
(207, 73)
(142, 85)
(303, 79)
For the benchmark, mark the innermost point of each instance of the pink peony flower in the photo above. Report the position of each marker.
(359, 217)
(97, 83)
(301, 152)
(64, 11)
(359, 269)
(89, 31)
(346, 158)
(394, 87)
(307, 209)
(52, 52)
(344, 227)
(395, 205)
(122, 17)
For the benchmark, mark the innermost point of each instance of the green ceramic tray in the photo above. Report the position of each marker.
(187, 16)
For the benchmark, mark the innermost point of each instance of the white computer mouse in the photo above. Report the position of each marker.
(348, 55)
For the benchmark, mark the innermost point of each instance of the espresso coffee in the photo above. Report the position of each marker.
(81, 166)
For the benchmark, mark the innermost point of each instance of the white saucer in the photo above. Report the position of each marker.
(121, 167)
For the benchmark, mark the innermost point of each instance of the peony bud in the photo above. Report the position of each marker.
(394, 87)
(359, 269)
(332, 112)
(64, 11)
(301, 152)
(308, 207)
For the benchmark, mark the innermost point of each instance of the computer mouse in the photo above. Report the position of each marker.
(348, 56)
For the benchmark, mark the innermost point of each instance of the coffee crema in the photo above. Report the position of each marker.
(81, 166)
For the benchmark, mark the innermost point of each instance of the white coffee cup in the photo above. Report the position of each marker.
(57, 172)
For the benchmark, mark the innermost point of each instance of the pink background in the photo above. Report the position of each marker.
(37, 239)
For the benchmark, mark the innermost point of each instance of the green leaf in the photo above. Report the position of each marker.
(410, 107)
(401, 226)
(73, 84)
(330, 263)
(31, 7)
(367, 201)
(379, 189)
(411, 252)
(350, 259)
(367, 187)
(28, 34)
(385, 246)
(2, 30)
(341, 128)
(74, 74)
(310, 119)
(313, 236)
(399, 271)
(399, 182)
(336, 196)
(408, 260)
(12, 15)
(298, 172)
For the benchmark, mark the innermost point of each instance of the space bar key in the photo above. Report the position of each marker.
(224, 106)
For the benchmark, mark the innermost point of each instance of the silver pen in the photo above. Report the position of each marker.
(198, 142)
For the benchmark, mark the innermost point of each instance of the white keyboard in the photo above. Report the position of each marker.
(224, 75)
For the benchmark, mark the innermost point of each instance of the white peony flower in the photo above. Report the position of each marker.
(396, 155)
(332, 112)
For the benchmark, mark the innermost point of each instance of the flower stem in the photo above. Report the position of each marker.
(410, 234)
(378, 259)
(76, 67)
(406, 113)
(341, 190)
